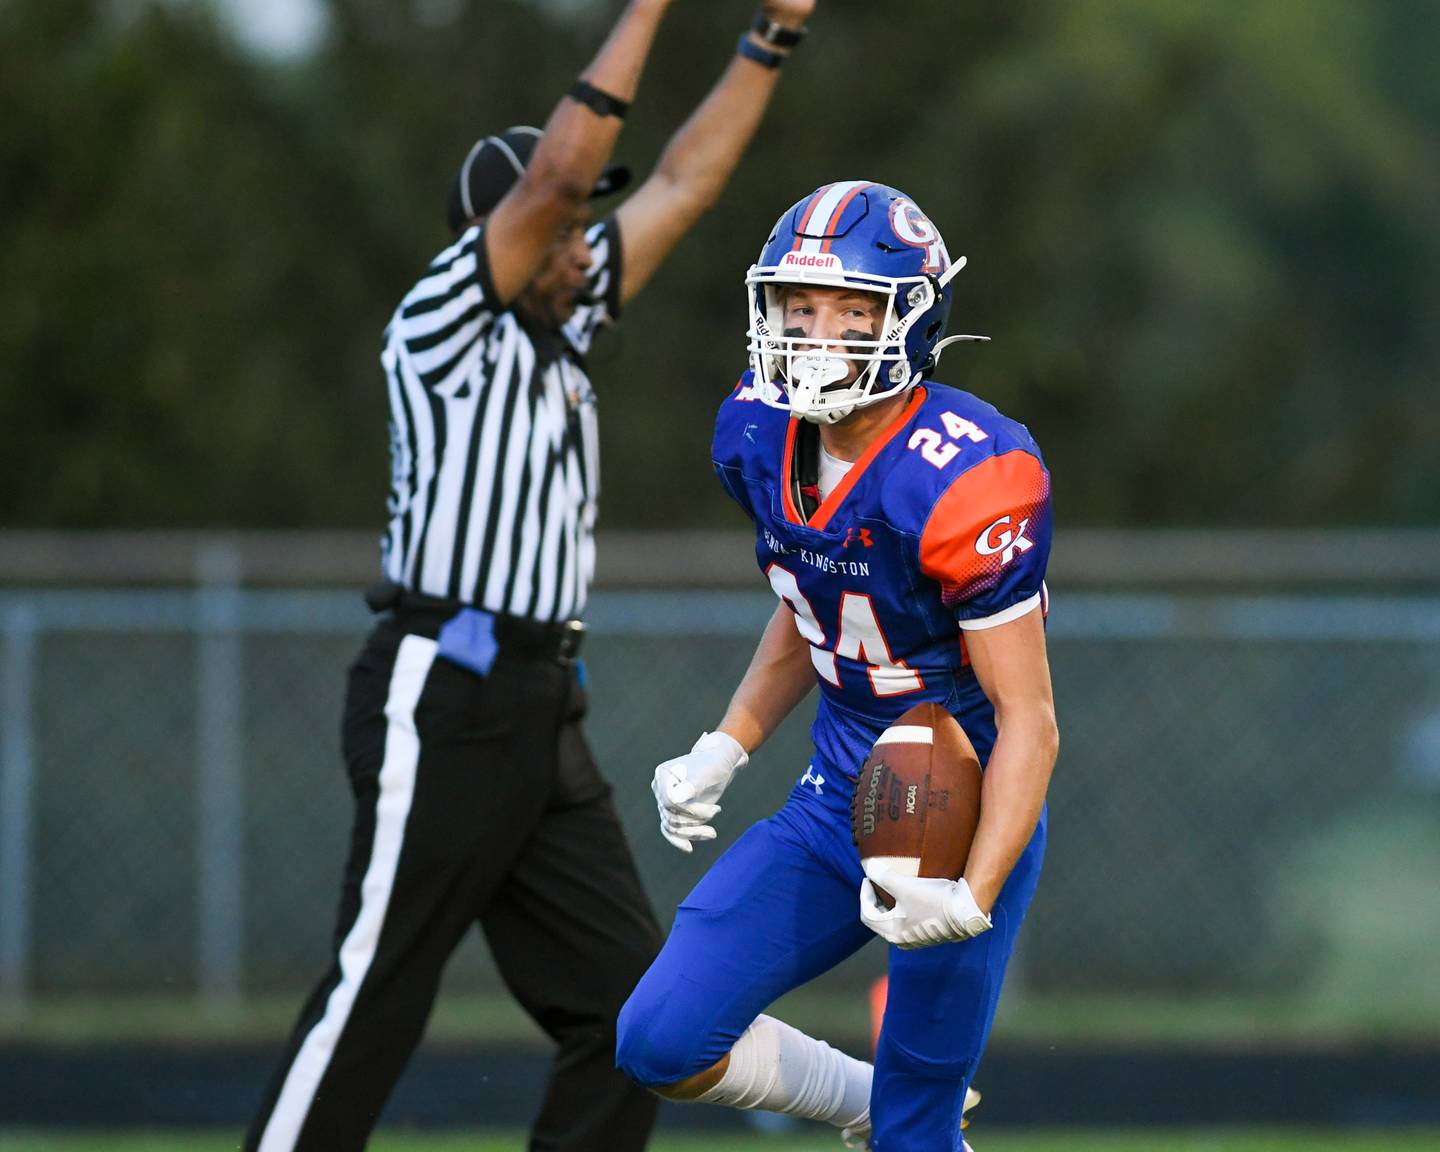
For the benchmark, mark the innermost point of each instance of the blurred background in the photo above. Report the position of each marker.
(1206, 242)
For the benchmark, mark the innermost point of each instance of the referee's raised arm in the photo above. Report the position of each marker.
(700, 157)
(572, 152)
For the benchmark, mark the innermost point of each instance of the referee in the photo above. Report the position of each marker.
(477, 800)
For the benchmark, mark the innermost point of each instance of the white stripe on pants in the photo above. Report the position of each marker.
(357, 951)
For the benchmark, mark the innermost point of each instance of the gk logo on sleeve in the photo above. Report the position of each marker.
(999, 538)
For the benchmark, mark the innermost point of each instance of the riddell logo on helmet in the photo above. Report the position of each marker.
(821, 261)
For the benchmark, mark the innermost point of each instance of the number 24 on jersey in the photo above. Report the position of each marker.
(935, 449)
(859, 638)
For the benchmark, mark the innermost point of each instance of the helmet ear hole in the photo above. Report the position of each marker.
(933, 330)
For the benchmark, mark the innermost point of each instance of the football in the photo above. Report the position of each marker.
(917, 802)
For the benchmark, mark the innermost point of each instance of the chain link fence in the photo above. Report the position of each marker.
(1247, 802)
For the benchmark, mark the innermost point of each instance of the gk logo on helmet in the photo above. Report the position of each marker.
(1003, 538)
(913, 227)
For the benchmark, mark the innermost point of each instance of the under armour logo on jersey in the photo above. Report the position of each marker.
(860, 534)
(999, 538)
(812, 778)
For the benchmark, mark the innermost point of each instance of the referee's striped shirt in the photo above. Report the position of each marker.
(493, 444)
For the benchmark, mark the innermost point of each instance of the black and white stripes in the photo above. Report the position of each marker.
(493, 440)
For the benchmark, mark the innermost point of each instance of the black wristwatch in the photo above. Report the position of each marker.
(777, 35)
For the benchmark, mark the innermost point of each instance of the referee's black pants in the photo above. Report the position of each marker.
(476, 800)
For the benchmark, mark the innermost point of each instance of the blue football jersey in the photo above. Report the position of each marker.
(942, 526)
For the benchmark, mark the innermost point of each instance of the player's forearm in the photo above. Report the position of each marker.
(779, 677)
(1011, 798)
(577, 141)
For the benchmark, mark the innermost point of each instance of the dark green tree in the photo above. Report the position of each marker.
(1204, 237)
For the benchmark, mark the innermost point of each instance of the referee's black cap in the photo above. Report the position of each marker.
(493, 166)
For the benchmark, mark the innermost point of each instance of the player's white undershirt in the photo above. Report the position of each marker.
(832, 471)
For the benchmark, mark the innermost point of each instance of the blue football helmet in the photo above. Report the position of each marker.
(854, 234)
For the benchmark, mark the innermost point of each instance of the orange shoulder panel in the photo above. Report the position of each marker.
(964, 543)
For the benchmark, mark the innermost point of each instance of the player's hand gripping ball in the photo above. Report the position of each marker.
(916, 808)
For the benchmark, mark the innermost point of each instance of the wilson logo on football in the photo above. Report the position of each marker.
(1003, 538)
(819, 261)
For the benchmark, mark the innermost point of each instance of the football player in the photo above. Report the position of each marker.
(905, 527)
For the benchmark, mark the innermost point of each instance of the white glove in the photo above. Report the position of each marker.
(927, 910)
(687, 788)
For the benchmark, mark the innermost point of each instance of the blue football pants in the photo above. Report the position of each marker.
(780, 907)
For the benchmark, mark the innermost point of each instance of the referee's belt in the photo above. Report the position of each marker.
(474, 637)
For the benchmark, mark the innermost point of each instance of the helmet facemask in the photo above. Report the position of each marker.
(808, 374)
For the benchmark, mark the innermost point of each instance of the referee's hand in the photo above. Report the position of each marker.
(790, 13)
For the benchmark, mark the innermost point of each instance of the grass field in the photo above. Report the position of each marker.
(1208, 1140)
